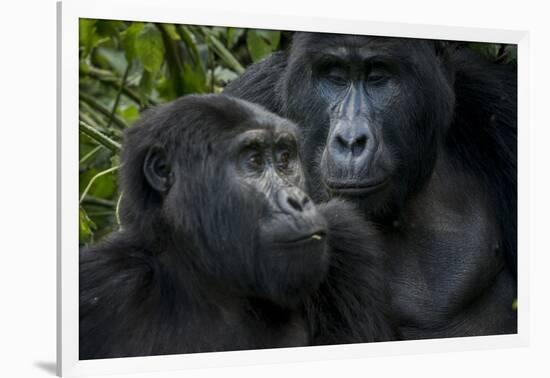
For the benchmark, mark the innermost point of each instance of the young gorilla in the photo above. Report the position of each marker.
(220, 248)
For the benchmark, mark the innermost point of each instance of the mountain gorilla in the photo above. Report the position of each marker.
(421, 135)
(220, 247)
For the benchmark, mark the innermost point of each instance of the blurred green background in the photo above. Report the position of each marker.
(126, 67)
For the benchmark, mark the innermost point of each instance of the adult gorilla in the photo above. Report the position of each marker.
(422, 136)
(220, 247)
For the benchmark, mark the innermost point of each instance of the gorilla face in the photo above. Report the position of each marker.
(233, 187)
(378, 107)
(290, 234)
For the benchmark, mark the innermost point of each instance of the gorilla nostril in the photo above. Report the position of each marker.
(291, 201)
(358, 146)
(294, 204)
(341, 142)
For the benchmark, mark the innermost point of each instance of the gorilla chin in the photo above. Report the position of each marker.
(353, 188)
(376, 197)
(288, 249)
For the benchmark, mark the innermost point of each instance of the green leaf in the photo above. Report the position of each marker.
(261, 43)
(129, 40)
(87, 35)
(165, 88)
(171, 31)
(233, 35)
(146, 84)
(103, 187)
(115, 161)
(510, 54)
(86, 226)
(273, 37)
(130, 113)
(194, 80)
(487, 50)
(218, 31)
(110, 29)
(150, 48)
(224, 75)
(113, 57)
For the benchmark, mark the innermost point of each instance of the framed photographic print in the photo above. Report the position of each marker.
(275, 189)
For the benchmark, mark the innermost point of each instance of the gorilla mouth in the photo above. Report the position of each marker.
(306, 238)
(356, 188)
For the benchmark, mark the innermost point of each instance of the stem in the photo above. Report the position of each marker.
(100, 213)
(93, 120)
(187, 37)
(173, 61)
(117, 99)
(108, 78)
(92, 116)
(211, 61)
(89, 186)
(98, 137)
(223, 53)
(101, 109)
(90, 200)
(89, 155)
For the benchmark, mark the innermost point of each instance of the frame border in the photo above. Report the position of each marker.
(168, 11)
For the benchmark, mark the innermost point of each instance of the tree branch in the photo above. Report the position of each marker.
(91, 200)
(108, 78)
(89, 186)
(90, 154)
(101, 109)
(99, 137)
(222, 52)
(117, 99)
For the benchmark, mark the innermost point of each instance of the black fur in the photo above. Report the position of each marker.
(190, 272)
(351, 305)
(442, 125)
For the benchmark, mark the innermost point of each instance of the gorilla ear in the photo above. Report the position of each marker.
(157, 169)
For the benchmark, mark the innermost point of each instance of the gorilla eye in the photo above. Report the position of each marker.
(337, 78)
(378, 76)
(256, 160)
(334, 74)
(284, 160)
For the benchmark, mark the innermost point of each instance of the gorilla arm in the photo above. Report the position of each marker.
(351, 305)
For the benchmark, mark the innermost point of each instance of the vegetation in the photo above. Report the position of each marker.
(126, 67)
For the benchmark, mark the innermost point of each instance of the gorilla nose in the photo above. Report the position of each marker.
(349, 141)
(356, 144)
(293, 200)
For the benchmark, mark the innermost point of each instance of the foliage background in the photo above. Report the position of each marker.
(126, 67)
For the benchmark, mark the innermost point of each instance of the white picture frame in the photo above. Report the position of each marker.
(69, 12)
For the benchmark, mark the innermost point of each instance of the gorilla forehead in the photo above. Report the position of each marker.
(212, 118)
(360, 46)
